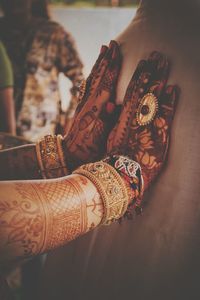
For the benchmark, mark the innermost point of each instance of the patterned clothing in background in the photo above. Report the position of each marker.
(38, 54)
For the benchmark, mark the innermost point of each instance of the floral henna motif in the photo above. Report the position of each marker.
(148, 77)
(96, 113)
(146, 142)
(23, 223)
(150, 142)
(35, 218)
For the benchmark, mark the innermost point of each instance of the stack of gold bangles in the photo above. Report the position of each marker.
(51, 157)
(114, 191)
(111, 187)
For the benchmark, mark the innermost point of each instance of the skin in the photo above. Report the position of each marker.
(148, 143)
(21, 163)
(39, 216)
(32, 214)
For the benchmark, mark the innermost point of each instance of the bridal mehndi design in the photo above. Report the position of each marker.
(46, 215)
(142, 131)
(96, 113)
(135, 147)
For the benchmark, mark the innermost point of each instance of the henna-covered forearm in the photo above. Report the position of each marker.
(38, 216)
(19, 163)
(45, 159)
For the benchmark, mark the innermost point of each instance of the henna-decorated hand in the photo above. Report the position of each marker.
(96, 113)
(143, 128)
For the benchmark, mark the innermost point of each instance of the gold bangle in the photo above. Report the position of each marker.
(111, 187)
(51, 157)
(61, 154)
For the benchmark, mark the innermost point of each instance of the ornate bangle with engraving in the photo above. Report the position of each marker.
(51, 157)
(111, 187)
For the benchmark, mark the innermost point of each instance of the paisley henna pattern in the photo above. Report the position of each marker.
(22, 223)
(93, 119)
(38, 217)
(146, 144)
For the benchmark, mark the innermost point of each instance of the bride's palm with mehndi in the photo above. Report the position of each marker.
(143, 128)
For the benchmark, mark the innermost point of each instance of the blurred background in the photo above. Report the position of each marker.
(92, 23)
(87, 25)
(96, 2)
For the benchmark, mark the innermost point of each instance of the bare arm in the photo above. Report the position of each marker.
(36, 217)
(45, 159)
(7, 111)
(19, 163)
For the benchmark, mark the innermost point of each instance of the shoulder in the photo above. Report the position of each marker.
(56, 31)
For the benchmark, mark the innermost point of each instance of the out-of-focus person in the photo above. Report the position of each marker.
(7, 109)
(39, 50)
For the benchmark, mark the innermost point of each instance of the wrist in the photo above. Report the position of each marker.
(51, 158)
(111, 188)
(131, 173)
(119, 189)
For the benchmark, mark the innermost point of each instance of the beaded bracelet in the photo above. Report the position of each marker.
(131, 172)
(51, 157)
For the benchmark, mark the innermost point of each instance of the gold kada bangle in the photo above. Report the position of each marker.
(111, 187)
(51, 157)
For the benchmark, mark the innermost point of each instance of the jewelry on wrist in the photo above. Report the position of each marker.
(131, 172)
(111, 187)
(51, 157)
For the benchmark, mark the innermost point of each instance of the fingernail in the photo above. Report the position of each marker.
(175, 93)
(155, 55)
(110, 107)
(112, 44)
(115, 51)
(103, 49)
(173, 90)
(160, 60)
(169, 89)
